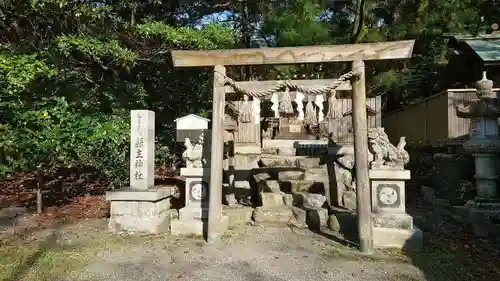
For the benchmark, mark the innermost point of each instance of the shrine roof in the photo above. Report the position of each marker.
(192, 116)
(485, 47)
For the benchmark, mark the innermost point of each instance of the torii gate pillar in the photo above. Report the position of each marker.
(216, 222)
(363, 190)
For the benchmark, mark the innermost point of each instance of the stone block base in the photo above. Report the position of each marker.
(238, 215)
(316, 218)
(396, 220)
(397, 238)
(147, 224)
(299, 217)
(195, 227)
(192, 227)
(292, 215)
(279, 215)
(271, 200)
(193, 213)
(140, 210)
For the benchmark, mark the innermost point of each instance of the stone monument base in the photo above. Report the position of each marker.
(397, 238)
(193, 219)
(392, 220)
(395, 230)
(140, 210)
(238, 215)
(195, 227)
(484, 218)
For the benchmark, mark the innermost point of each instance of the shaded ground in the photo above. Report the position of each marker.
(451, 251)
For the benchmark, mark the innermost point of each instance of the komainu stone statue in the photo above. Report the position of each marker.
(193, 155)
(386, 155)
(346, 168)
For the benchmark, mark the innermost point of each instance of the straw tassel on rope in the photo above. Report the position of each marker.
(286, 102)
(311, 118)
(333, 110)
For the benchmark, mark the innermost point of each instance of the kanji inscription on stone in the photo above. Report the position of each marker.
(142, 142)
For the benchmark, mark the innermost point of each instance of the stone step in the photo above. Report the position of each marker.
(281, 215)
(238, 215)
(291, 216)
(316, 174)
(288, 186)
(312, 174)
(291, 161)
(294, 147)
(308, 150)
(293, 143)
(310, 186)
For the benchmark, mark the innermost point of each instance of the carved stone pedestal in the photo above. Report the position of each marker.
(392, 226)
(193, 218)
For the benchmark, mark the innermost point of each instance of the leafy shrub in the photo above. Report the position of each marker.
(53, 135)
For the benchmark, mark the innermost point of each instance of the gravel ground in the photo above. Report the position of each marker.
(247, 253)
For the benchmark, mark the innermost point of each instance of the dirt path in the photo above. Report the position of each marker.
(247, 253)
(86, 251)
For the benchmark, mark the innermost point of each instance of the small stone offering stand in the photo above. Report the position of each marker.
(193, 217)
(141, 207)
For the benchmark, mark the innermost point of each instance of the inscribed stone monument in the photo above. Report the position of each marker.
(142, 147)
(141, 207)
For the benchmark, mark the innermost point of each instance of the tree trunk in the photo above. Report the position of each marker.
(358, 21)
(133, 13)
(246, 72)
(39, 189)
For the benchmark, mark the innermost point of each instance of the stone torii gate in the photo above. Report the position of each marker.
(356, 53)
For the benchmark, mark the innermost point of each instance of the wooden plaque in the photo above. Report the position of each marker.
(294, 128)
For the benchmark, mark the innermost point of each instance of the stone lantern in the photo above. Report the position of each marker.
(484, 145)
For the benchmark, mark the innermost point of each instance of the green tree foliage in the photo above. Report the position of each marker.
(70, 71)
